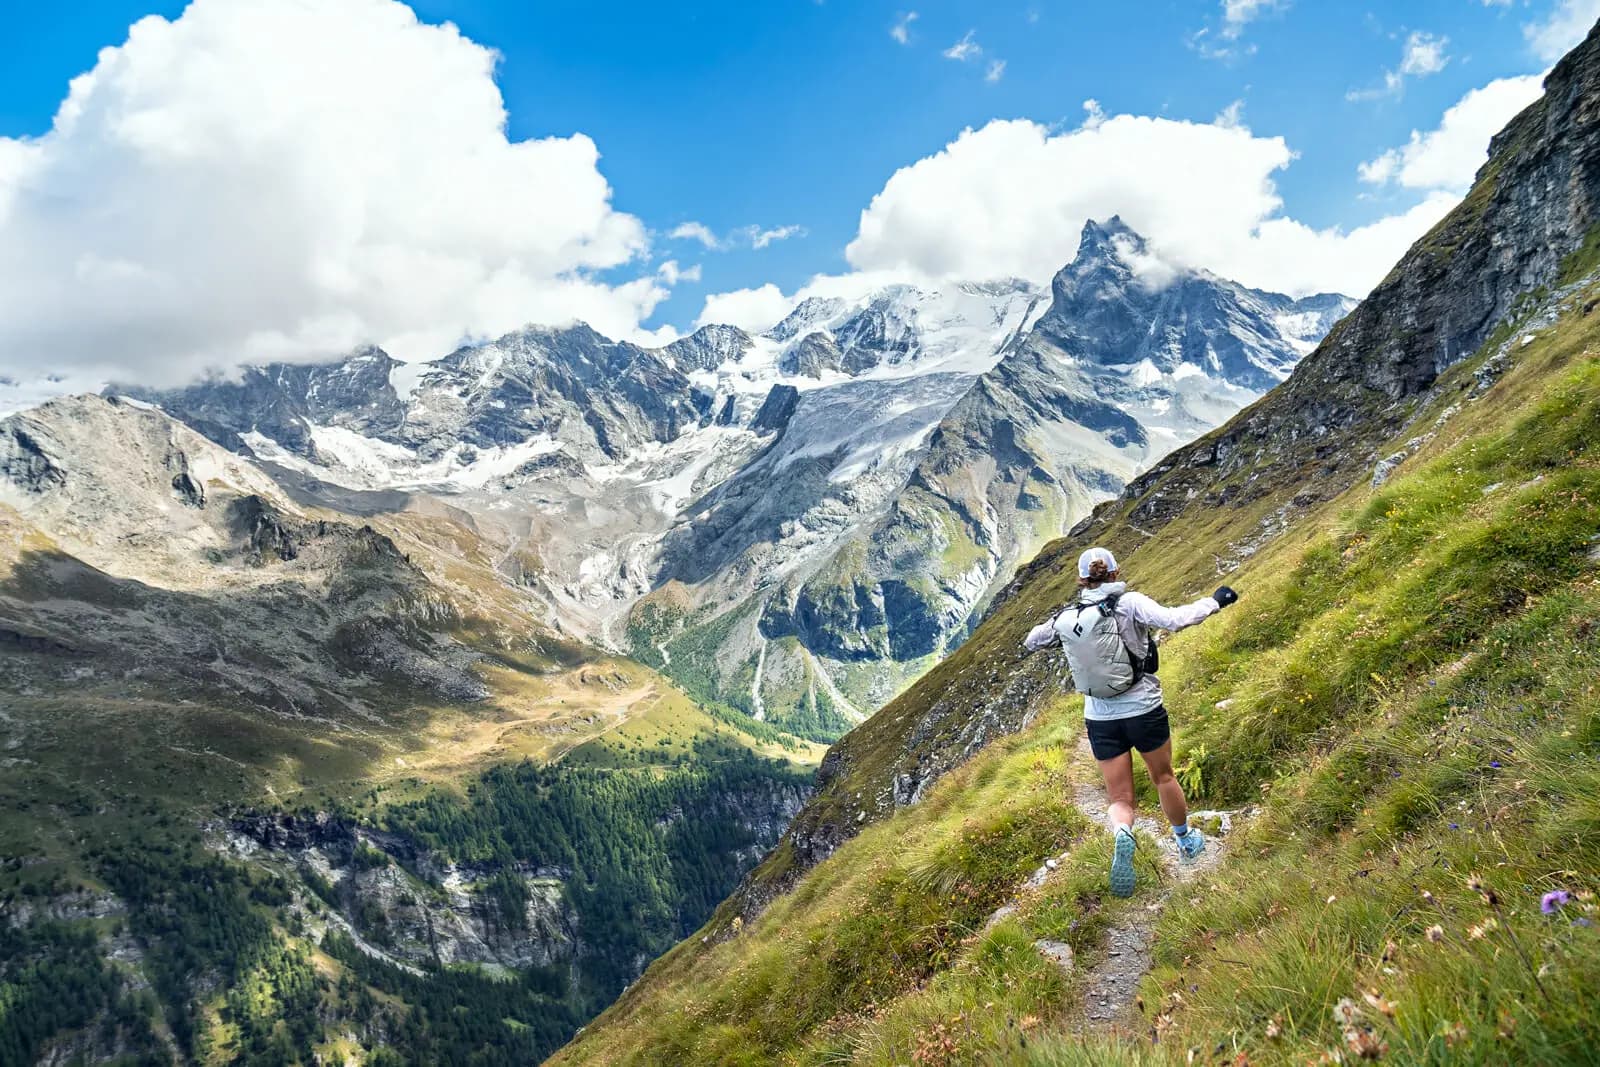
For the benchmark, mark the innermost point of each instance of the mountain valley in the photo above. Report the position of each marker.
(574, 700)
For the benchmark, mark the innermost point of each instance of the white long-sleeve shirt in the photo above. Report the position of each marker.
(1137, 615)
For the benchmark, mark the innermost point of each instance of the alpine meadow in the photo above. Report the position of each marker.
(426, 638)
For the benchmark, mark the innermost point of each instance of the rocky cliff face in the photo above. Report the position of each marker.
(1118, 304)
(415, 908)
(283, 401)
(602, 398)
(410, 907)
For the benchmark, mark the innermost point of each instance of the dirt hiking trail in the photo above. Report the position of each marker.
(1111, 986)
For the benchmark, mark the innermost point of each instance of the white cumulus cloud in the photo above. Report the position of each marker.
(1009, 199)
(1557, 34)
(1448, 156)
(752, 310)
(286, 179)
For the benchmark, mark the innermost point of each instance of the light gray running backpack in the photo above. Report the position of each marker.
(1102, 664)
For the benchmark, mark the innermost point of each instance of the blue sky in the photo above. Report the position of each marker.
(795, 113)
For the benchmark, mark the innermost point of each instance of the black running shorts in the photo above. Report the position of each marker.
(1110, 738)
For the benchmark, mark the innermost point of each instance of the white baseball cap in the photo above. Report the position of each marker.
(1096, 555)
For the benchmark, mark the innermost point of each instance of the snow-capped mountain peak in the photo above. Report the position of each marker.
(837, 497)
(1120, 303)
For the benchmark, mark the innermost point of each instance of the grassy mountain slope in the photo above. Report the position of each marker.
(1407, 693)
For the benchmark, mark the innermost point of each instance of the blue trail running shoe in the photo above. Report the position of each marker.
(1122, 863)
(1190, 844)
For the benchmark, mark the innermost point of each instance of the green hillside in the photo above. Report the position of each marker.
(1408, 692)
(1402, 716)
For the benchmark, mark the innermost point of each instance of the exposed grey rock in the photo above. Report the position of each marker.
(282, 399)
(25, 462)
(1057, 952)
(1116, 304)
(708, 347)
(777, 409)
(816, 353)
(1386, 466)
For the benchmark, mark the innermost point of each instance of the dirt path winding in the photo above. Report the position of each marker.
(1111, 986)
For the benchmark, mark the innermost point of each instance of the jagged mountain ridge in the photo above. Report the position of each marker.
(772, 502)
(1020, 452)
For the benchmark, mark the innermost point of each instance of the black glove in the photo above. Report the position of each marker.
(1225, 596)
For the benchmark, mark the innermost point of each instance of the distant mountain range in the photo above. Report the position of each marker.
(396, 654)
(796, 523)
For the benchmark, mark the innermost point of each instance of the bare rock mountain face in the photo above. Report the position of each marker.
(884, 535)
(793, 525)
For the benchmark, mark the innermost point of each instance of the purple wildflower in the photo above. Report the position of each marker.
(1552, 901)
(1455, 826)
(1495, 764)
(1581, 921)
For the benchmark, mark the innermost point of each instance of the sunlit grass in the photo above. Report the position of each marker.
(1410, 694)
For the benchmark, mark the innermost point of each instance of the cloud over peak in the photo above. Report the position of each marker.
(1008, 200)
(198, 204)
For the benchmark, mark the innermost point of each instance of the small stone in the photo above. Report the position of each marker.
(1057, 952)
